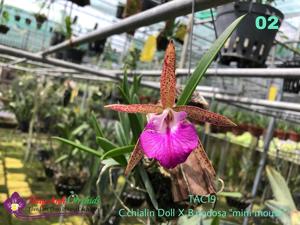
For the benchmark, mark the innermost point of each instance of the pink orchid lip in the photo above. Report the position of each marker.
(169, 138)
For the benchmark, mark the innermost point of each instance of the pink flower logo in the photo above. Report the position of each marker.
(15, 204)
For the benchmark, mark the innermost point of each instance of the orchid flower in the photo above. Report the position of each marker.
(168, 136)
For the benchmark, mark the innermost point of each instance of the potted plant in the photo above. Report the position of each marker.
(72, 54)
(281, 131)
(294, 133)
(167, 33)
(4, 20)
(248, 45)
(68, 183)
(132, 7)
(180, 33)
(22, 101)
(40, 19)
(258, 124)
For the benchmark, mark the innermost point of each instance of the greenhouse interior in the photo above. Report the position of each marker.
(107, 108)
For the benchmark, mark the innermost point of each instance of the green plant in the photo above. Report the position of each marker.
(282, 125)
(22, 100)
(114, 153)
(283, 204)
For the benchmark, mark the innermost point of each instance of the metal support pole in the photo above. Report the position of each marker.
(263, 159)
(228, 72)
(112, 76)
(157, 14)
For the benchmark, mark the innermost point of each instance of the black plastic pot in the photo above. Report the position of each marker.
(43, 155)
(81, 2)
(161, 43)
(248, 46)
(4, 29)
(17, 18)
(49, 171)
(291, 85)
(66, 185)
(28, 21)
(57, 38)
(73, 55)
(120, 11)
(97, 46)
(24, 126)
(148, 4)
(134, 198)
(240, 204)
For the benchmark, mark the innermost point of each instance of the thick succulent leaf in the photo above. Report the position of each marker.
(204, 63)
(168, 78)
(203, 115)
(135, 108)
(280, 189)
(135, 157)
(79, 146)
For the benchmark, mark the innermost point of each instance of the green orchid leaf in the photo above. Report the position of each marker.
(280, 189)
(107, 145)
(118, 151)
(96, 126)
(120, 134)
(205, 62)
(79, 146)
(281, 211)
(148, 185)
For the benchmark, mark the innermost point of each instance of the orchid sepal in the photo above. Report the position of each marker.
(168, 78)
(135, 108)
(203, 115)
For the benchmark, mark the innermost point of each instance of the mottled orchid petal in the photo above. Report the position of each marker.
(203, 115)
(135, 108)
(168, 78)
(135, 157)
(169, 138)
(205, 162)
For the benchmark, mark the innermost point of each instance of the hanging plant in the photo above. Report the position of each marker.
(180, 33)
(166, 34)
(40, 19)
(132, 7)
(4, 19)
(68, 26)
(248, 45)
